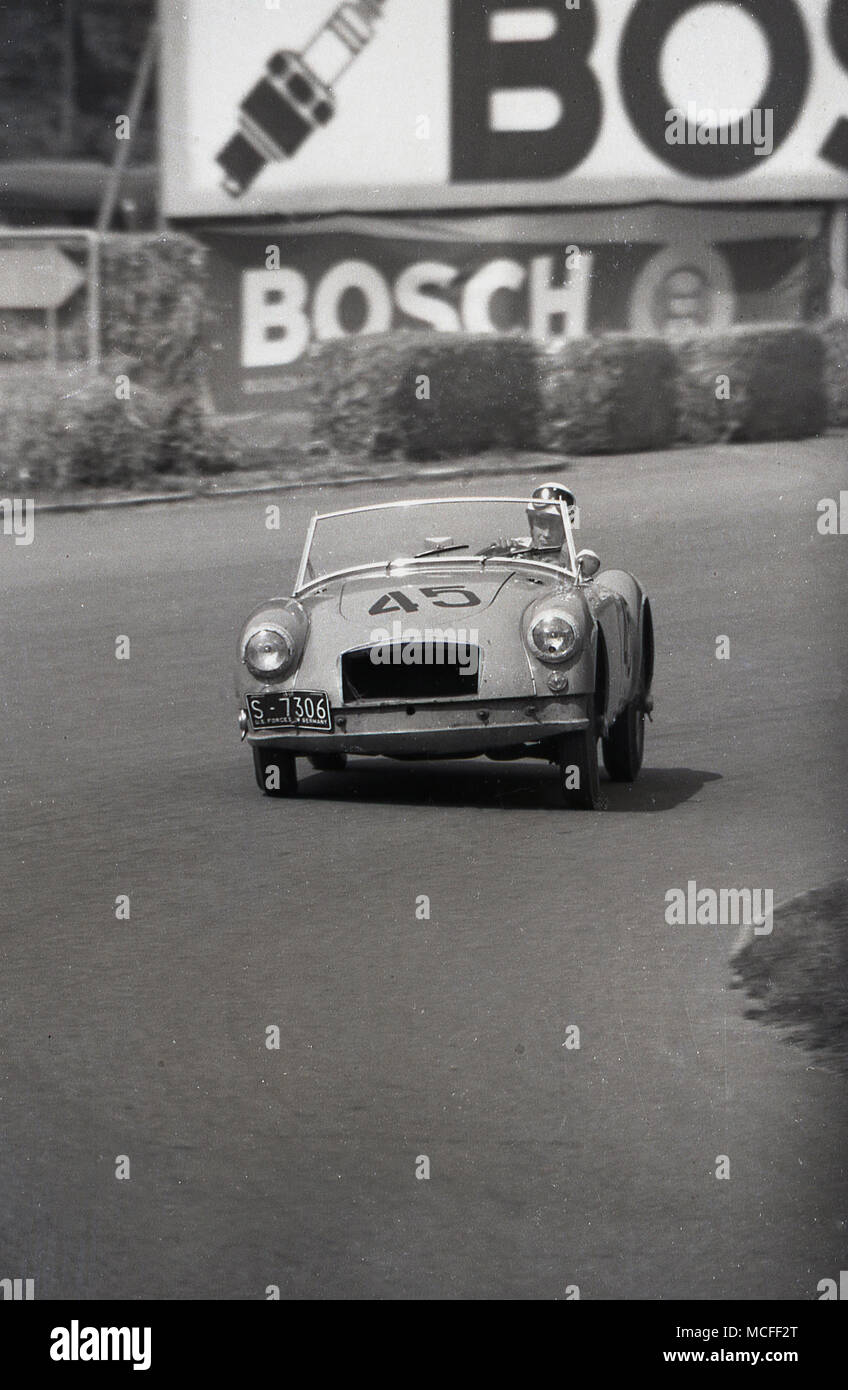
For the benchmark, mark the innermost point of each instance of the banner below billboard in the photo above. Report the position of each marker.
(280, 289)
(303, 106)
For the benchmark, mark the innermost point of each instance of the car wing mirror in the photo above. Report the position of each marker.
(588, 564)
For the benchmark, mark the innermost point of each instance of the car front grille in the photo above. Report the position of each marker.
(439, 670)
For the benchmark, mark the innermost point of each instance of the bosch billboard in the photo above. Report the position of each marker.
(300, 106)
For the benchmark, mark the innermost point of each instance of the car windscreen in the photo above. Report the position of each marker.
(404, 530)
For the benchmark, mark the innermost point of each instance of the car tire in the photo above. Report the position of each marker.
(624, 746)
(328, 762)
(580, 751)
(264, 759)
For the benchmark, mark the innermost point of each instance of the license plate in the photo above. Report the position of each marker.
(292, 709)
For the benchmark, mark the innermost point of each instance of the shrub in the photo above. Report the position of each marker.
(426, 396)
(348, 391)
(106, 441)
(609, 395)
(775, 385)
(83, 435)
(29, 438)
(154, 305)
(798, 976)
(153, 312)
(483, 394)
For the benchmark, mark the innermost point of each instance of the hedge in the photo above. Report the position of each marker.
(54, 438)
(419, 395)
(154, 311)
(609, 395)
(752, 384)
(155, 305)
(425, 396)
(593, 396)
(67, 429)
(370, 395)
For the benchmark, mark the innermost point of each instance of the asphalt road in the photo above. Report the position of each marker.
(549, 1167)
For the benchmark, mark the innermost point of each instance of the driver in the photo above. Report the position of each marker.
(547, 533)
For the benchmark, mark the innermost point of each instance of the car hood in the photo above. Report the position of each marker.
(481, 607)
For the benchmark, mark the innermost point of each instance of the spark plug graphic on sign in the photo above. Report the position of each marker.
(296, 95)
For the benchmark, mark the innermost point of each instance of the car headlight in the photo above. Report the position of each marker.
(269, 653)
(554, 638)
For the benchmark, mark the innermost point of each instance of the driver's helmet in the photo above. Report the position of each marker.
(548, 499)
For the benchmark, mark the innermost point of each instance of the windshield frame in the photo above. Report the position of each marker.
(399, 564)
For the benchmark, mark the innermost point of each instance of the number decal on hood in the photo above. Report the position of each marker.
(396, 601)
(470, 600)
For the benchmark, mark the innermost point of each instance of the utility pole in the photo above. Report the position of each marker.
(141, 86)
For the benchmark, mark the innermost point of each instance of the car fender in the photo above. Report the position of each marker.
(286, 612)
(619, 603)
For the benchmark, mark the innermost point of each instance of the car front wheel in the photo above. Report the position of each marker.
(577, 758)
(624, 746)
(276, 771)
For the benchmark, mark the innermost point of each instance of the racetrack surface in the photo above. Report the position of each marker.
(549, 1167)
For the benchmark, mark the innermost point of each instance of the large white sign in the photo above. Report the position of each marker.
(287, 106)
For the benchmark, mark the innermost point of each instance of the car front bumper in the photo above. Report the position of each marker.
(434, 729)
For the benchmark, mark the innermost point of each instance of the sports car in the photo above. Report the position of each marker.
(429, 629)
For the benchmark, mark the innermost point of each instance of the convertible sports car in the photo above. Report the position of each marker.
(421, 630)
